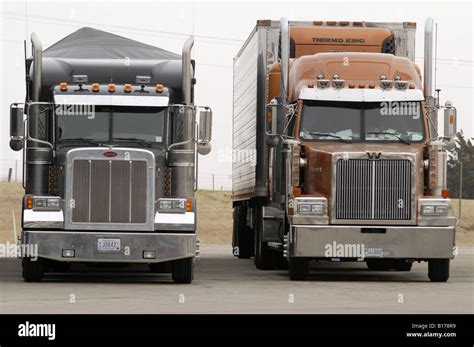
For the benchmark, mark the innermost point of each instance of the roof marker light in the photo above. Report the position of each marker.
(159, 88)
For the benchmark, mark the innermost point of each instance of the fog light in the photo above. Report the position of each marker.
(69, 253)
(149, 255)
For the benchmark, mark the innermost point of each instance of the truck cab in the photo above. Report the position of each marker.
(110, 146)
(356, 168)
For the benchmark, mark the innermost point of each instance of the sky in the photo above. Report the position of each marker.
(220, 29)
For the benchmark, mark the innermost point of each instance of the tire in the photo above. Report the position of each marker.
(32, 271)
(298, 268)
(265, 258)
(183, 270)
(282, 262)
(380, 264)
(403, 265)
(157, 267)
(242, 237)
(438, 270)
(60, 266)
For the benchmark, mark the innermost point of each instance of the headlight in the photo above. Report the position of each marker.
(310, 208)
(175, 205)
(53, 202)
(45, 203)
(434, 210)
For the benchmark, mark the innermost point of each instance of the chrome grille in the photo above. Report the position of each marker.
(373, 189)
(109, 191)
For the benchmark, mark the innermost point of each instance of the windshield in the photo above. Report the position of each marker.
(108, 124)
(361, 121)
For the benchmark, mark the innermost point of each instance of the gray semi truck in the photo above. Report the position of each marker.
(110, 144)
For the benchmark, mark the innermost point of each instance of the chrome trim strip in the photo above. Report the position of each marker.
(90, 189)
(110, 191)
(362, 95)
(112, 100)
(130, 193)
(175, 218)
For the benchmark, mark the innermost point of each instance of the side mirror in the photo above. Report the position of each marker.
(450, 121)
(205, 132)
(17, 128)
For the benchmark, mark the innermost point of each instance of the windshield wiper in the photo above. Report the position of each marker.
(81, 139)
(134, 139)
(398, 136)
(330, 135)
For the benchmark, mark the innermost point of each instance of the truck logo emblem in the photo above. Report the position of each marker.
(110, 154)
(374, 155)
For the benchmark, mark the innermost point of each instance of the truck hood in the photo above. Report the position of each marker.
(319, 156)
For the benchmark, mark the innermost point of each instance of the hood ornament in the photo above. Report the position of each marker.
(374, 155)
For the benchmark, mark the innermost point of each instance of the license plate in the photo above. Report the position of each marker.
(108, 244)
(373, 252)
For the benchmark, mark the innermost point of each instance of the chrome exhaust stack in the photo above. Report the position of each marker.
(38, 66)
(181, 158)
(38, 157)
(278, 127)
(428, 78)
(428, 63)
(285, 57)
(187, 90)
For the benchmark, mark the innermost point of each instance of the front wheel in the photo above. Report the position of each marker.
(265, 258)
(298, 268)
(33, 270)
(438, 270)
(403, 265)
(380, 264)
(59, 266)
(241, 233)
(183, 270)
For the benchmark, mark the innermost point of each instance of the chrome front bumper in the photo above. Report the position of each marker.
(413, 242)
(167, 246)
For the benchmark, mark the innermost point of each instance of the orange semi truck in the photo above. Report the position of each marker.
(337, 154)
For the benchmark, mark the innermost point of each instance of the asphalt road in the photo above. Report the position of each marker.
(224, 284)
